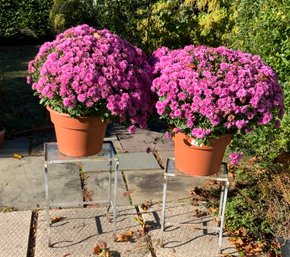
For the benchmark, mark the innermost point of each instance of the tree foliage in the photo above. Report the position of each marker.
(263, 27)
(24, 19)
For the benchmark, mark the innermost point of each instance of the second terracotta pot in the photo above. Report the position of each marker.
(199, 160)
(78, 137)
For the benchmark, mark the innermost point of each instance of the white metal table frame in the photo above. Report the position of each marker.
(222, 176)
(53, 156)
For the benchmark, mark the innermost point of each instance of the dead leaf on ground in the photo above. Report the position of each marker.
(66, 254)
(102, 250)
(57, 219)
(97, 250)
(125, 237)
(146, 205)
(199, 213)
(128, 193)
(17, 156)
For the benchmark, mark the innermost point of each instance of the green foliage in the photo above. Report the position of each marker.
(67, 13)
(148, 24)
(119, 16)
(24, 19)
(263, 27)
(175, 23)
(245, 211)
(258, 203)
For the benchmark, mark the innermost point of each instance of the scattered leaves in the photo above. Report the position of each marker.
(245, 244)
(200, 194)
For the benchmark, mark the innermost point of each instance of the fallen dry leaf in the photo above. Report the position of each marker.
(57, 219)
(102, 250)
(122, 238)
(239, 241)
(17, 156)
(128, 193)
(146, 205)
(66, 254)
(97, 250)
(199, 213)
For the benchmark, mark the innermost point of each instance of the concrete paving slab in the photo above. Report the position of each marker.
(179, 240)
(64, 183)
(83, 229)
(142, 139)
(14, 233)
(138, 161)
(22, 183)
(128, 161)
(18, 145)
(148, 185)
(97, 185)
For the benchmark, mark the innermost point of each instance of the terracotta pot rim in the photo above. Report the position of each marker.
(224, 135)
(77, 118)
(203, 147)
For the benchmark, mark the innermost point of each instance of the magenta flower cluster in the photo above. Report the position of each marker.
(86, 72)
(207, 92)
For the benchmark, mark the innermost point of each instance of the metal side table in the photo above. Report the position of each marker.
(53, 156)
(222, 176)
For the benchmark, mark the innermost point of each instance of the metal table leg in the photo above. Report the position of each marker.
(47, 207)
(165, 182)
(223, 209)
(115, 198)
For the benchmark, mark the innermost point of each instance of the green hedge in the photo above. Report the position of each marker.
(263, 27)
(24, 19)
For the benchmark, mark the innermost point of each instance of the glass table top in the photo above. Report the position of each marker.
(52, 155)
(171, 170)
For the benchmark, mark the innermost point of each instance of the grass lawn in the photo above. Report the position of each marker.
(19, 109)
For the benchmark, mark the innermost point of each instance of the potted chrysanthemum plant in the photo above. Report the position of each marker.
(208, 96)
(87, 78)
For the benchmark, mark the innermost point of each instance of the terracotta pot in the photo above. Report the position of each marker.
(78, 137)
(2, 136)
(199, 160)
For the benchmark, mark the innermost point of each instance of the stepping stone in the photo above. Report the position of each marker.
(148, 185)
(84, 228)
(181, 240)
(22, 183)
(142, 139)
(97, 185)
(128, 161)
(14, 233)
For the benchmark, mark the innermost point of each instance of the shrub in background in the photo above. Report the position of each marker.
(263, 27)
(24, 19)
